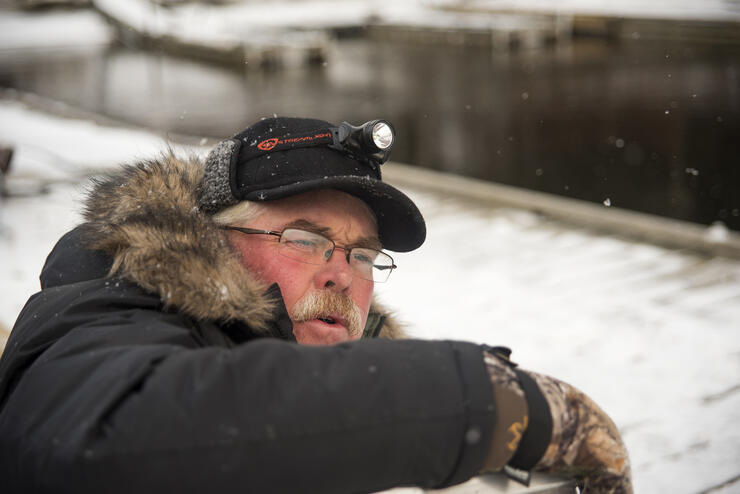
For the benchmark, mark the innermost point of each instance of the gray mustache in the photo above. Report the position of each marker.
(323, 304)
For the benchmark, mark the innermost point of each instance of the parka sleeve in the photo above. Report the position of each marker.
(127, 399)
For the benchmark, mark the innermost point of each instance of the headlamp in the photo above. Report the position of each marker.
(369, 143)
(372, 140)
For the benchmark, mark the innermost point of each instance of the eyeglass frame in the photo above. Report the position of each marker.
(348, 251)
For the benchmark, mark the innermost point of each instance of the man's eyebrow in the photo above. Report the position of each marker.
(309, 226)
(303, 224)
(368, 243)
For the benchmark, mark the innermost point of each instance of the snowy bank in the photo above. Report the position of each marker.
(56, 30)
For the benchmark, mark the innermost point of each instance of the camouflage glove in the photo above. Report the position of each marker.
(550, 426)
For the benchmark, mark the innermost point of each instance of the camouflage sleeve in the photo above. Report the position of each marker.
(585, 442)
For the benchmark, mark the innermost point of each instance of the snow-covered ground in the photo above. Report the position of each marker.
(651, 334)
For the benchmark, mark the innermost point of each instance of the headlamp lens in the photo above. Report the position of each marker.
(382, 135)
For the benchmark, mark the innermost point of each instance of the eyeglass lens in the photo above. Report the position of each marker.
(312, 248)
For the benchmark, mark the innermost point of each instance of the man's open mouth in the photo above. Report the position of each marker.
(327, 320)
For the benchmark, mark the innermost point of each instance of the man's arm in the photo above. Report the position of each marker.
(113, 395)
(110, 394)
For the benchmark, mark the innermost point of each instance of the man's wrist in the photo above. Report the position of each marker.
(511, 411)
(511, 422)
(538, 434)
(523, 426)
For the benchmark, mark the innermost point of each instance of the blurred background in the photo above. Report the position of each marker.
(577, 161)
(633, 102)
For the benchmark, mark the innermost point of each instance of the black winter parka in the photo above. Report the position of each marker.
(151, 361)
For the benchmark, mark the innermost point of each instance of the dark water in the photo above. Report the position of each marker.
(648, 126)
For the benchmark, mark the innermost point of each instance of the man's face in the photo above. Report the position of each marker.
(338, 216)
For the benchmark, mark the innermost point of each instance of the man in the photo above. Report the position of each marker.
(161, 351)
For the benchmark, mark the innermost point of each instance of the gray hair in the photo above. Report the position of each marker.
(240, 213)
(247, 211)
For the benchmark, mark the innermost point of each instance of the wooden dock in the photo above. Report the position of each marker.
(717, 27)
(155, 24)
(711, 241)
(500, 33)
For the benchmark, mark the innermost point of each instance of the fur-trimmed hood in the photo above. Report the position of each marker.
(146, 218)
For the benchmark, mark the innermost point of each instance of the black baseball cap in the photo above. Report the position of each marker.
(280, 157)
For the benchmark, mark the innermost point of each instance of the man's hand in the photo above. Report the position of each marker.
(584, 443)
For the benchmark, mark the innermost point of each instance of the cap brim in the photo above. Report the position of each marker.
(401, 226)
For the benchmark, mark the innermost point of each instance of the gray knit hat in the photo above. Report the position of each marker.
(281, 157)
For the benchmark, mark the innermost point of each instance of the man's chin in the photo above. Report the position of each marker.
(315, 332)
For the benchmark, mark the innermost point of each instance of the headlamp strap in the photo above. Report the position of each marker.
(332, 137)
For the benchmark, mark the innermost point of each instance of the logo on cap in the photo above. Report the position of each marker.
(268, 144)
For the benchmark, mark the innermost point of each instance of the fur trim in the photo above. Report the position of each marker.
(392, 328)
(147, 218)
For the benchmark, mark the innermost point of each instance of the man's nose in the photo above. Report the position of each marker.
(336, 273)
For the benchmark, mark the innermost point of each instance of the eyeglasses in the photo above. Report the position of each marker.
(312, 248)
